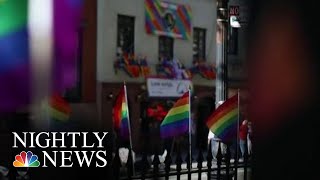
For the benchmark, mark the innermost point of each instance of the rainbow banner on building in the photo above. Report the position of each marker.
(120, 114)
(223, 121)
(177, 120)
(168, 19)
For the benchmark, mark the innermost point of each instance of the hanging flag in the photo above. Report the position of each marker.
(176, 121)
(15, 49)
(168, 19)
(14, 54)
(59, 109)
(223, 121)
(120, 114)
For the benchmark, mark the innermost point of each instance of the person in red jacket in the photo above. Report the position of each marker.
(155, 113)
(158, 112)
(161, 112)
(243, 132)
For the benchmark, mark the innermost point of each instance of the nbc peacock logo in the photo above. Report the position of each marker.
(26, 160)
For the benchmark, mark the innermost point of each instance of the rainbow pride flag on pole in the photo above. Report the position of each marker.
(177, 120)
(224, 120)
(17, 45)
(121, 114)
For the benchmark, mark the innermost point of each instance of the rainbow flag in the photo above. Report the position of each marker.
(14, 54)
(176, 121)
(15, 46)
(168, 19)
(223, 121)
(59, 109)
(120, 114)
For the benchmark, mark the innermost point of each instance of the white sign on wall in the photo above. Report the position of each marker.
(240, 9)
(158, 87)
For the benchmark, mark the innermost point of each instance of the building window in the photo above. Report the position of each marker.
(199, 43)
(125, 35)
(233, 41)
(165, 47)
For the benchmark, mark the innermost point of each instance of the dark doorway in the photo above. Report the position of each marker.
(205, 108)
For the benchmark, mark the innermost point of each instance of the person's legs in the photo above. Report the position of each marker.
(243, 147)
(214, 147)
(249, 144)
(195, 150)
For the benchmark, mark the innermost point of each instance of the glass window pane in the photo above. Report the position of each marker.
(199, 40)
(125, 35)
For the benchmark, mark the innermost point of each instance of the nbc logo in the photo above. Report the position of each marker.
(26, 160)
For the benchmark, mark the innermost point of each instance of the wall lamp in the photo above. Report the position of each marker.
(110, 96)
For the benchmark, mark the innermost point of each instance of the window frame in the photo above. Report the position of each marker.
(170, 41)
(126, 20)
(196, 32)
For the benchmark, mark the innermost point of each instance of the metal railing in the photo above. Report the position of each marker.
(221, 168)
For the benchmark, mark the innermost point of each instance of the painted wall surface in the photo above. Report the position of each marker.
(203, 16)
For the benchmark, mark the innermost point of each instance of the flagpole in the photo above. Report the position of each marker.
(172, 145)
(190, 156)
(129, 124)
(237, 144)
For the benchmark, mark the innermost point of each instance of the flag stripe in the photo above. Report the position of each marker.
(17, 95)
(120, 116)
(13, 15)
(177, 120)
(222, 110)
(221, 113)
(182, 25)
(117, 110)
(58, 115)
(61, 107)
(156, 12)
(149, 23)
(124, 109)
(60, 104)
(176, 117)
(174, 129)
(229, 132)
(124, 123)
(181, 102)
(14, 50)
(229, 135)
(225, 118)
(58, 108)
(227, 123)
(223, 121)
(178, 110)
(154, 16)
